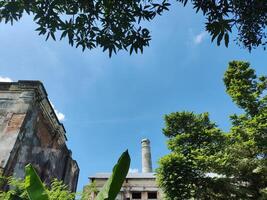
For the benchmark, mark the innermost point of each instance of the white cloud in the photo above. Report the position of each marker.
(5, 79)
(60, 115)
(133, 170)
(200, 37)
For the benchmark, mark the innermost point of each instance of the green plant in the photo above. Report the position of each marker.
(118, 25)
(206, 163)
(115, 181)
(88, 190)
(59, 191)
(18, 191)
(32, 187)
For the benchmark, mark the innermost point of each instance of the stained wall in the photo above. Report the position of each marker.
(31, 133)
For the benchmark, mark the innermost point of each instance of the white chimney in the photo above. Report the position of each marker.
(146, 156)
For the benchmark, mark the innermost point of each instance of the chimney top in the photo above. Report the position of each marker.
(145, 140)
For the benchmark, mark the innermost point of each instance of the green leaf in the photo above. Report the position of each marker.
(226, 39)
(34, 185)
(219, 39)
(115, 181)
(53, 36)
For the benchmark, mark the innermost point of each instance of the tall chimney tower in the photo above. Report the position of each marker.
(146, 156)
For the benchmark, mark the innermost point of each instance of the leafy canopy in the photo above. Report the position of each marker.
(111, 25)
(194, 141)
(115, 25)
(246, 17)
(206, 163)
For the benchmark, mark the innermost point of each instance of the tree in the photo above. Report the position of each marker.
(206, 163)
(247, 147)
(194, 142)
(116, 25)
(248, 18)
(112, 25)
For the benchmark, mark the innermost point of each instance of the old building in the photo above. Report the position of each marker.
(137, 186)
(30, 132)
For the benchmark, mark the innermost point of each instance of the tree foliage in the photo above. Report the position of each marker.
(117, 25)
(248, 136)
(111, 25)
(194, 141)
(59, 191)
(248, 18)
(206, 163)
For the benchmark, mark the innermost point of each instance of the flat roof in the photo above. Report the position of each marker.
(130, 175)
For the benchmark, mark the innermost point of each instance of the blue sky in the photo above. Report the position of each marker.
(110, 104)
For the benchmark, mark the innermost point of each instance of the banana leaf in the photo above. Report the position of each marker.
(112, 187)
(34, 185)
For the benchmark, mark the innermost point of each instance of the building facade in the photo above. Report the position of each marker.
(137, 186)
(30, 132)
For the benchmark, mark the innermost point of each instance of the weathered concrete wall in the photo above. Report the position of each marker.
(13, 109)
(71, 173)
(30, 133)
